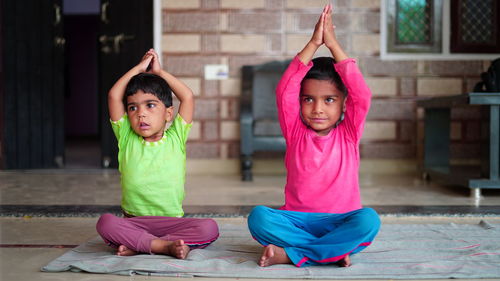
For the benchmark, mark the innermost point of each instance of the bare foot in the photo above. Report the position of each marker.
(345, 262)
(124, 251)
(273, 254)
(178, 249)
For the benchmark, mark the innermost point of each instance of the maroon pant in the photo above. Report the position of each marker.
(137, 233)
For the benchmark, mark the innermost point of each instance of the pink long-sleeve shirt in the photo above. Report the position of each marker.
(322, 171)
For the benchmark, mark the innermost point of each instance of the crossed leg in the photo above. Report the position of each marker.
(311, 238)
(160, 235)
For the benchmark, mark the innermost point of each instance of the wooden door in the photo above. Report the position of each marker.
(33, 70)
(126, 33)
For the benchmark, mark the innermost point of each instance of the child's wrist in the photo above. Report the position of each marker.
(157, 71)
(332, 45)
(331, 40)
(138, 69)
(314, 44)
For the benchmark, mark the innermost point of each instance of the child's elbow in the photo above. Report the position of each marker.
(189, 97)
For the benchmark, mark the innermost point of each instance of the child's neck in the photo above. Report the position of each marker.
(154, 138)
(324, 132)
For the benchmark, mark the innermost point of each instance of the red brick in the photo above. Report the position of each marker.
(473, 131)
(466, 113)
(341, 4)
(276, 42)
(268, 23)
(344, 41)
(234, 109)
(465, 151)
(366, 44)
(210, 4)
(210, 88)
(408, 87)
(206, 109)
(408, 131)
(455, 67)
(388, 150)
(471, 83)
(210, 43)
(392, 109)
(308, 21)
(371, 22)
(236, 62)
(194, 22)
(342, 22)
(274, 4)
(254, 22)
(233, 150)
(375, 66)
(202, 150)
(188, 65)
(210, 130)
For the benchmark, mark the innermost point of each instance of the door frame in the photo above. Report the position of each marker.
(157, 30)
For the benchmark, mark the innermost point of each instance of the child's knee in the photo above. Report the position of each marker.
(258, 218)
(370, 218)
(106, 224)
(257, 215)
(210, 228)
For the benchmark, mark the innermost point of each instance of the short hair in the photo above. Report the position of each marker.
(151, 84)
(323, 69)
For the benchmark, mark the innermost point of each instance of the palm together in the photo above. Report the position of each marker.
(324, 30)
(150, 60)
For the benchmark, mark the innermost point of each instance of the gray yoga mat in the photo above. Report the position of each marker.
(400, 251)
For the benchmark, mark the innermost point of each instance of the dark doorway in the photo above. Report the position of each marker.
(62, 57)
(81, 102)
(33, 60)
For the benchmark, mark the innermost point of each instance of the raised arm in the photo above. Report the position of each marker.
(358, 99)
(288, 89)
(180, 90)
(116, 93)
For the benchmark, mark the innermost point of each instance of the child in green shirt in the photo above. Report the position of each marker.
(152, 163)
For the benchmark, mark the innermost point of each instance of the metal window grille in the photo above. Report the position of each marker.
(476, 21)
(413, 23)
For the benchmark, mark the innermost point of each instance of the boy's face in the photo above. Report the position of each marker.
(321, 105)
(148, 115)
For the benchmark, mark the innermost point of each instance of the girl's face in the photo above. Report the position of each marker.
(321, 105)
(148, 115)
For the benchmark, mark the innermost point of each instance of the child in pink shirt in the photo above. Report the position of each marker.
(322, 106)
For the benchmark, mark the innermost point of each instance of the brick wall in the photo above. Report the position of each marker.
(237, 32)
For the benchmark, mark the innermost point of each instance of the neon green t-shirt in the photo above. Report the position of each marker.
(152, 173)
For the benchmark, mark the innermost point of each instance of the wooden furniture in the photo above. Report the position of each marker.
(436, 162)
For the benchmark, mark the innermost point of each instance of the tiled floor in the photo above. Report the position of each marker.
(30, 242)
(102, 187)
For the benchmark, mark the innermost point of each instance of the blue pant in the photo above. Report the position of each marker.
(314, 238)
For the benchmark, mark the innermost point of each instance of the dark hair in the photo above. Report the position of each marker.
(151, 84)
(323, 70)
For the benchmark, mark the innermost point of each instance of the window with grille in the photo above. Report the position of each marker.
(414, 26)
(475, 26)
(440, 27)
(413, 22)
